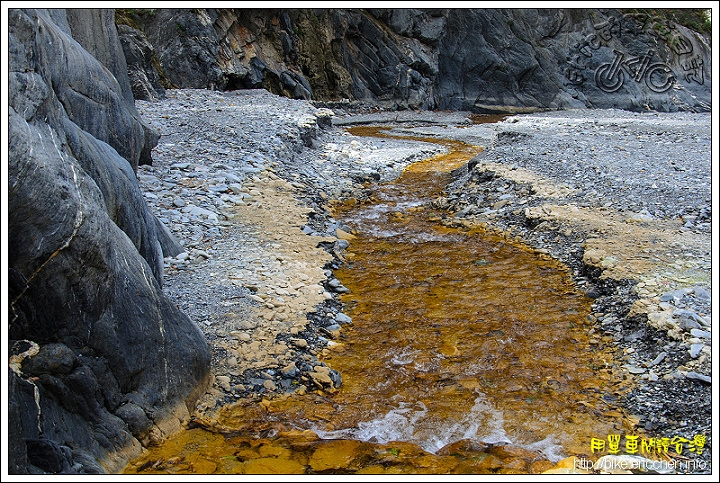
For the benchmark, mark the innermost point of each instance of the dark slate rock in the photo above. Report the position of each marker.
(187, 48)
(21, 423)
(139, 54)
(85, 252)
(100, 104)
(136, 419)
(53, 358)
(48, 455)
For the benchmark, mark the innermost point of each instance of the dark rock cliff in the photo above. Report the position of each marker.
(482, 60)
(100, 361)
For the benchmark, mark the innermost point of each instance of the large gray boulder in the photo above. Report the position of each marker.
(101, 362)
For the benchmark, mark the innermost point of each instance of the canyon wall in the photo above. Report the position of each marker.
(481, 60)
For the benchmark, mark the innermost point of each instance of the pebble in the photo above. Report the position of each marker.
(698, 377)
(342, 318)
(658, 359)
(695, 350)
(302, 343)
(700, 333)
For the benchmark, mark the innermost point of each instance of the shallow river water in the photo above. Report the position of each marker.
(468, 353)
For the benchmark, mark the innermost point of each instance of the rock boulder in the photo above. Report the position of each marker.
(90, 330)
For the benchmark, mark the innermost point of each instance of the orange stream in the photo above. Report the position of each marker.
(458, 333)
(477, 335)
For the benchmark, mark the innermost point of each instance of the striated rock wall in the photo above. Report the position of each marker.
(482, 60)
(101, 362)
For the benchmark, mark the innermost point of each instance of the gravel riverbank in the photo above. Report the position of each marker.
(242, 180)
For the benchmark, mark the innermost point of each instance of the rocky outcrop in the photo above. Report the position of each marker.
(101, 362)
(482, 60)
(141, 63)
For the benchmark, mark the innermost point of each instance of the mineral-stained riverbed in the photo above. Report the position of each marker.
(468, 353)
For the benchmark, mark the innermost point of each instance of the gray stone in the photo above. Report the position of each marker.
(341, 289)
(634, 336)
(635, 369)
(687, 319)
(673, 296)
(700, 333)
(290, 370)
(698, 377)
(658, 359)
(702, 294)
(341, 318)
(695, 350)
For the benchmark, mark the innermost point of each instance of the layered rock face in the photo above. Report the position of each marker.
(482, 60)
(100, 361)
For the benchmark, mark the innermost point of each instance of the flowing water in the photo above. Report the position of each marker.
(463, 341)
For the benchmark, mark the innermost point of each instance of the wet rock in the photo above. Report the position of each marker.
(490, 464)
(322, 376)
(341, 289)
(336, 455)
(511, 452)
(539, 467)
(272, 466)
(342, 319)
(463, 446)
(333, 331)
